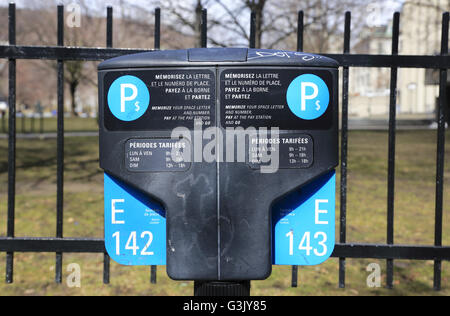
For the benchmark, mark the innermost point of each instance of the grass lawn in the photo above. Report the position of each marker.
(49, 125)
(367, 194)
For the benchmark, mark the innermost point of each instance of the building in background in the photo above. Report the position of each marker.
(369, 87)
(420, 35)
(418, 89)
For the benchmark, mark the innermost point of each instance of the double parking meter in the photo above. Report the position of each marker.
(219, 163)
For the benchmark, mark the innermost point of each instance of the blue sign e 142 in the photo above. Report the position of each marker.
(135, 227)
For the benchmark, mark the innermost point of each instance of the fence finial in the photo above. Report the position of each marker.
(253, 30)
(204, 28)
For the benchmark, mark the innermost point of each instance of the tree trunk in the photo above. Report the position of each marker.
(73, 92)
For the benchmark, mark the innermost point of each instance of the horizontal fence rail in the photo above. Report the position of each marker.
(354, 251)
(343, 250)
(100, 54)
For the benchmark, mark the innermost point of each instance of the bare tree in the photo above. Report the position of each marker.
(184, 17)
(275, 21)
(440, 5)
(37, 25)
(257, 7)
(228, 26)
(42, 30)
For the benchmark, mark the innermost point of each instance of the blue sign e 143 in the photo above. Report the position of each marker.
(304, 224)
(135, 228)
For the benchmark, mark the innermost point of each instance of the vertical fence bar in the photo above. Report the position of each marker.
(22, 123)
(344, 149)
(109, 27)
(60, 147)
(294, 282)
(32, 123)
(11, 144)
(204, 28)
(392, 150)
(300, 31)
(252, 43)
(153, 271)
(109, 44)
(441, 152)
(106, 268)
(41, 122)
(3, 122)
(157, 29)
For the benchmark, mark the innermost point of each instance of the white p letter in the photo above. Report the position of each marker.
(123, 98)
(308, 97)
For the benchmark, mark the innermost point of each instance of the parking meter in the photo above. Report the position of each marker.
(219, 162)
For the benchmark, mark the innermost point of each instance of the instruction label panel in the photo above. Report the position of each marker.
(159, 99)
(290, 99)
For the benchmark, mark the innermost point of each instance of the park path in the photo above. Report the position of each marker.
(51, 135)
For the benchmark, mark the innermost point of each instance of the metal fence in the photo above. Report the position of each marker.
(389, 251)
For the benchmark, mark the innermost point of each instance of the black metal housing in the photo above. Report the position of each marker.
(219, 214)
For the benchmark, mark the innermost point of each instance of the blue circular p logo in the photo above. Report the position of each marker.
(128, 98)
(308, 97)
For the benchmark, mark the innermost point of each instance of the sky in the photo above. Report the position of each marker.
(385, 6)
(378, 11)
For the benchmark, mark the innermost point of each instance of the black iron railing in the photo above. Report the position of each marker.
(389, 251)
